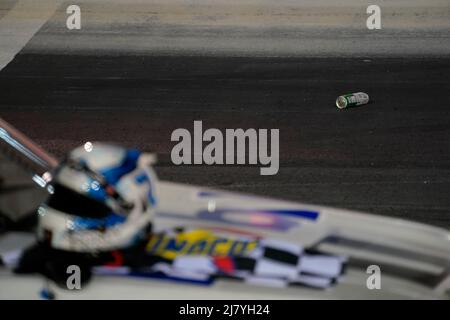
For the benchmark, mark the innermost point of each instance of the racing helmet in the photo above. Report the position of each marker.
(102, 199)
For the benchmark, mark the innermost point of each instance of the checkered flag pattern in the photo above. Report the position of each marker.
(273, 263)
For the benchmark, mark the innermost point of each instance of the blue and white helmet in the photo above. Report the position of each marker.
(103, 198)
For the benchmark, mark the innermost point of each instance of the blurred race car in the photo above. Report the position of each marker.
(103, 210)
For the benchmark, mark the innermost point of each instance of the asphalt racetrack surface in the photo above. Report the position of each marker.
(390, 157)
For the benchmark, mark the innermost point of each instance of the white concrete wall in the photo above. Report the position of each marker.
(248, 27)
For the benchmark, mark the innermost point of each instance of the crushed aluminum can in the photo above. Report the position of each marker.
(352, 100)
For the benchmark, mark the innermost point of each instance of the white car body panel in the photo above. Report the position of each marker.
(421, 249)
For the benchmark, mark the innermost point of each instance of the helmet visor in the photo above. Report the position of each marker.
(71, 202)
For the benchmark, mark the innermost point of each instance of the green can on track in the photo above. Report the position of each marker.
(352, 100)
